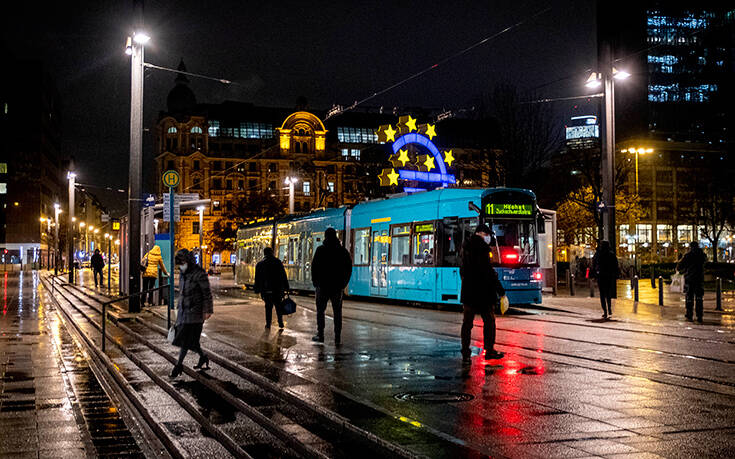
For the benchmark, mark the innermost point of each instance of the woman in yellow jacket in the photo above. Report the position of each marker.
(152, 260)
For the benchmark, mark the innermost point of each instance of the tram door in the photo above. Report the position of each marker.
(379, 261)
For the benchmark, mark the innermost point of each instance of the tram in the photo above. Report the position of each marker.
(407, 247)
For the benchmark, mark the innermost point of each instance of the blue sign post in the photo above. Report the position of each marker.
(171, 179)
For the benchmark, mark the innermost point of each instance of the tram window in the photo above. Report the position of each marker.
(423, 244)
(292, 242)
(282, 247)
(451, 237)
(361, 255)
(400, 254)
(516, 241)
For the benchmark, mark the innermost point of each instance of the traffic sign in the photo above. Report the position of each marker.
(115, 224)
(171, 178)
(167, 208)
(149, 200)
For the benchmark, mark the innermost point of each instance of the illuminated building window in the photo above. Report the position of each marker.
(663, 233)
(330, 185)
(644, 233)
(3, 188)
(345, 152)
(356, 135)
(684, 233)
(355, 153)
(306, 188)
(172, 130)
(3, 168)
(196, 130)
(213, 128)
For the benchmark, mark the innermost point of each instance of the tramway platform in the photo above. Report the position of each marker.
(645, 384)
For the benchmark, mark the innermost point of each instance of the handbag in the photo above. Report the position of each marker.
(288, 306)
(144, 265)
(171, 334)
(504, 304)
(677, 283)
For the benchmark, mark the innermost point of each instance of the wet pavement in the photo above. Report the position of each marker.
(645, 384)
(51, 404)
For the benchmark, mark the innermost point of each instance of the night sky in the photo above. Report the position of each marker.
(329, 52)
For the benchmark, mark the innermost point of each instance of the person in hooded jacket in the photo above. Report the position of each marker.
(195, 306)
(692, 266)
(152, 261)
(480, 291)
(331, 269)
(97, 263)
(272, 283)
(605, 270)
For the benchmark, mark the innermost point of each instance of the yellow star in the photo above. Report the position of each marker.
(403, 157)
(393, 177)
(429, 163)
(390, 134)
(448, 158)
(431, 131)
(411, 124)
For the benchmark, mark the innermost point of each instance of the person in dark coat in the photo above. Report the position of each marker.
(605, 270)
(481, 289)
(331, 270)
(692, 266)
(271, 282)
(194, 307)
(97, 263)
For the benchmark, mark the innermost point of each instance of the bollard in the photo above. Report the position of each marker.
(104, 325)
(660, 290)
(718, 294)
(571, 285)
(653, 276)
(635, 288)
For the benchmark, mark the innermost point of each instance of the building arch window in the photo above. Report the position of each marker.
(196, 130)
(172, 130)
(297, 147)
(304, 147)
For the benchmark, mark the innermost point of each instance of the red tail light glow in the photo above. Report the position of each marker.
(537, 276)
(510, 257)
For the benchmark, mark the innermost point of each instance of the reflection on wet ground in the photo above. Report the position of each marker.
(50, 401)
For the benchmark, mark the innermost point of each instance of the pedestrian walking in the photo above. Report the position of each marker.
(152, 261)
(605, 270)
(692, 266)
(194, 308)
(271, 282)
(480, 292)
(97, 263)
(331, 270)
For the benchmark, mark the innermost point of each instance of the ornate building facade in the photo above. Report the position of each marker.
(235, 153)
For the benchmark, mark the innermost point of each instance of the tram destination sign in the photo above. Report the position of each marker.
(508, 209)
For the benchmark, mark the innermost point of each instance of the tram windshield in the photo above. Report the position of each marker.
(514, 242)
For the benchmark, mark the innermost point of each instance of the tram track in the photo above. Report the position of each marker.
(333, 428)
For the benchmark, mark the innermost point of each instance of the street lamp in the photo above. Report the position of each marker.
(135, 48)
(291, 181)
(71, 176)
(637, 151)
(201, 235)
(606, 77)
(57, 211)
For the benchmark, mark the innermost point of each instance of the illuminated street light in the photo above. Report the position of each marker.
(291, 181)
(201, 235)
(141, 38)
(607, 76)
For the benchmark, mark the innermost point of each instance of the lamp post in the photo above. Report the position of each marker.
(607, 77)
(48, 237)
(134, 48)
(71, 175)
(637, 151)
(57, 211)
(201, 235)
(291, 181)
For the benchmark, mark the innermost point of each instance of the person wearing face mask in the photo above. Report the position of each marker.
(481, 289)
(194, 308)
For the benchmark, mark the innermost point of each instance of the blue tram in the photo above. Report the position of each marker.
(407, 247)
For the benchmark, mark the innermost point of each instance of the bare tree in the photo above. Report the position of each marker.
(714, 199)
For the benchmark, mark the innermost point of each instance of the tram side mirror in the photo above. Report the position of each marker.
(473, 206)
(541, 224)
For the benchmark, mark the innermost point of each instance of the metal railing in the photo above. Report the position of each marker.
(122, 298)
